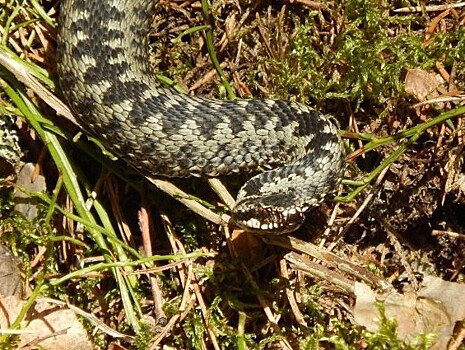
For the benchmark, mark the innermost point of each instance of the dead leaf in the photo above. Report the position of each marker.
(435, 308)
(31, 182)
(248, 248)
(10, 275)
(421, 84)
(50, 327)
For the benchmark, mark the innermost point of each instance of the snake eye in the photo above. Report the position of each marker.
(264, 220)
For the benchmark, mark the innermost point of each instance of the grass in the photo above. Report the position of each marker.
(348, 59)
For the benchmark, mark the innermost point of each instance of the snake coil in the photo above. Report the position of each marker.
(105, 76)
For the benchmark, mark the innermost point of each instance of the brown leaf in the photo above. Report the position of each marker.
(421, 84)
(435, 308)
(10, 275)
(248, 247)
(50, 327)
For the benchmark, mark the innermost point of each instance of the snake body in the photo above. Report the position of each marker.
(104, 74)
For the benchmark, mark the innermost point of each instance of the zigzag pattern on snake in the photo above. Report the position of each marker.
(104, 73)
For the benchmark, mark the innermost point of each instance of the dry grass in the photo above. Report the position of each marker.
(216, 288)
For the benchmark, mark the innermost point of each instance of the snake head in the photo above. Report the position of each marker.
(261, 218)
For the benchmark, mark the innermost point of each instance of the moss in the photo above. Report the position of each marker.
(366, 59)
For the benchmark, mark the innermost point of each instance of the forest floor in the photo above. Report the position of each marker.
(148, 265)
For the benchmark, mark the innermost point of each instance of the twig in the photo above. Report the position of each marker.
(203, 309)
(222, 192)
(441, 99)
(23, 74)
(187, 301)
(187, 200)
(394, 237)
(450, 234)
(291, 297)
(206, 77)
(146, 225)
(304, 264)
(90, 318)
(459, 338)
(429, 8)
(314, 5)
(328, 258)
(362, 207)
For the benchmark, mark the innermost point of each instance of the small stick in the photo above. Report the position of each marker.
(430, 8)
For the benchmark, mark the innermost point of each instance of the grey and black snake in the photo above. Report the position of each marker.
(104, 73)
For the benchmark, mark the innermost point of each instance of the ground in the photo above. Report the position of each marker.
(144, 270)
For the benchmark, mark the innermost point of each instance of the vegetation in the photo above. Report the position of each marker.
(110, 243)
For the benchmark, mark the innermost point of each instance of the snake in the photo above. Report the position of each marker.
(294, 152)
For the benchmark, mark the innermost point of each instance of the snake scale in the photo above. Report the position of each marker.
(104, 73)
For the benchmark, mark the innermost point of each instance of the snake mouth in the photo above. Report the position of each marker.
(267, 220)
